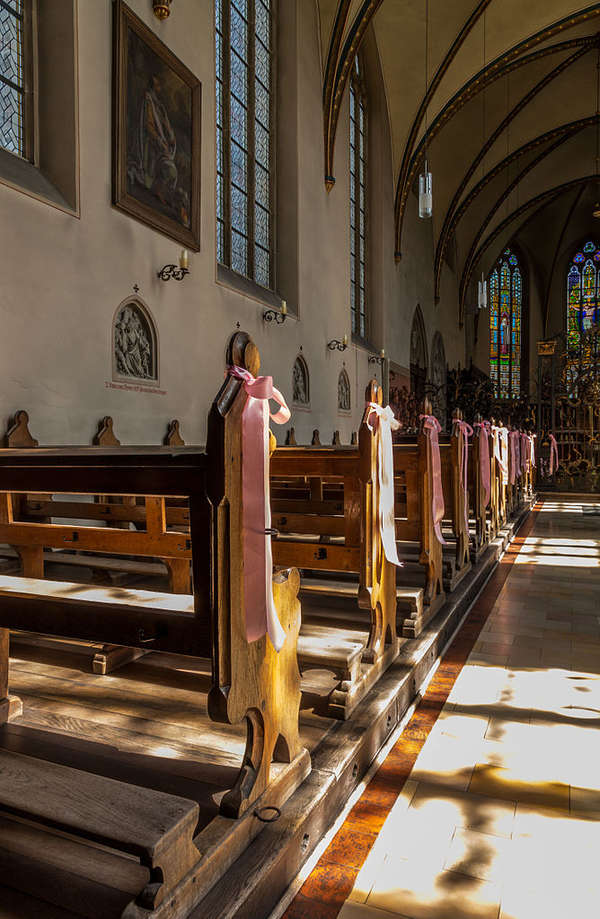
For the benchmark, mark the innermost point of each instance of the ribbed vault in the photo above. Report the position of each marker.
(506, 114)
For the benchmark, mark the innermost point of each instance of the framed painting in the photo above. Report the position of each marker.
(156, 132)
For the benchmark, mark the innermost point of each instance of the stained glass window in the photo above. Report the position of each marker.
(583, 292)
(506, 308)
(15, 66)
(358, 207)
(244, 87)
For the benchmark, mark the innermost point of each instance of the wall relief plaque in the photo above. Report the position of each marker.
(135, 344)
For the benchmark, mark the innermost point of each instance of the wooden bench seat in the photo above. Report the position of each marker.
(251, 683)
(157, 828)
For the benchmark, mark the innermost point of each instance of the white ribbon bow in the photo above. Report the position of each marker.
(385, 423)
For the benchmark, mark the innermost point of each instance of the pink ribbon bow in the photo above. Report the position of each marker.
(467, 431)
(501, 452)
(382, 421)
(259, 605)
(432, 428)
(514, 468)
(525, 451)
(553, 454)
(484, 458)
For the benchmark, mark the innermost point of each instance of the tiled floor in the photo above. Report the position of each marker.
(489, 804)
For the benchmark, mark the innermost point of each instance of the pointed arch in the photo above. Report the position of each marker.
(583, 291)
(135, 353)
(505, 288)
(438, 378)
(418, 355)
(344, 391)
(300, 382)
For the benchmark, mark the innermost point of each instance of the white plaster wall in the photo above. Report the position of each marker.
(63, 277)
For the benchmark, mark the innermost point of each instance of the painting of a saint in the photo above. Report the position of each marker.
(157, 132)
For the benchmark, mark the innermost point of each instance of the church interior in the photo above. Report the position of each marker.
(300, 461)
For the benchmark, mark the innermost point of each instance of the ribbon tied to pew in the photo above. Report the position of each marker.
(532, 449)
(259, 605)
(500, 437)
(484, 458)
(432, 428)
(514, 467)
(466, 431)
(382, 421)
(525, 451)
(553, 454)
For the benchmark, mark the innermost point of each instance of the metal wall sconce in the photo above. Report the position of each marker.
(339, 345)
(178, 272)
(161, 8)
(278, 316)
(377, 358)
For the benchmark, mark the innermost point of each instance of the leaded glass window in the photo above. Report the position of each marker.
(15, 70)
(583, 292)
(358, 206)
(244, 87)
(506, 309)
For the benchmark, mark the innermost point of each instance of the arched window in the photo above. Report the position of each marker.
(244, 86)
(506, 307)
(16, 68)
(583, 292)
(358, 203)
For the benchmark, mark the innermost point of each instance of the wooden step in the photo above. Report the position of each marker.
(156, 827)
(336, 649)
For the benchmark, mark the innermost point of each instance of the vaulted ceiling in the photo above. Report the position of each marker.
(506, 113)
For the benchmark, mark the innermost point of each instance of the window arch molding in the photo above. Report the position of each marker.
(134, 343)
(508, 330)
(359, 217)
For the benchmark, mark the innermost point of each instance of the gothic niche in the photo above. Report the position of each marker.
(418, 356)
(438, 378)
(300, 382)
(344, 404)
(135, 351)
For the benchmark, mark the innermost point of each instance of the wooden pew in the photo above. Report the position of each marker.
(477, 489)
(456, 498)
(105, 547)
(251, 682)
(324, 502)
(415, 529)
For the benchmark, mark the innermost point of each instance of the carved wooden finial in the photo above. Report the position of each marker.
(457, 414)
(316, 438)
(173, 438)
(374, 392)
(427, 406)
(242, 352)
(354, 439)
(478, 418)
(18, 434)
(336, 441)
(290, 439)
(105, 436)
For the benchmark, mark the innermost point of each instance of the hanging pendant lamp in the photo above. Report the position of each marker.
(425, 193)
(426, 179)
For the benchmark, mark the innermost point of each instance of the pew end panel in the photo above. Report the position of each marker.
(377, 583)
(431, 556)
(247, 673)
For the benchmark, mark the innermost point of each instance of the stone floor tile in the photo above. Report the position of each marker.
(478, 855)
(412, 889)
(497, 782)
(352, 910)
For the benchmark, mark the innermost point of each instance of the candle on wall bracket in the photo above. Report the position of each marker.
(162, 8)
(176, 272)
(336, 344)
(377, 358)
(278, 316)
